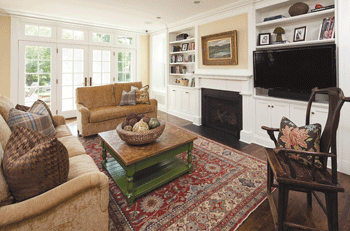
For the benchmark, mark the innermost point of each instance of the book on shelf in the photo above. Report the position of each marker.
(327, 28)
(323, 8)
(193, 82)
(274, 17)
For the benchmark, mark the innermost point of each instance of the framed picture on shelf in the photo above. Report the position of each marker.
(220, 49)
(299, 34)
(184, 47)
(180, 58)
(264, 39)
(327, 28)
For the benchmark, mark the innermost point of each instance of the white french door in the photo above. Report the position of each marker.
(72, 73)
(126, 63)
(37, 73)
(100, 68)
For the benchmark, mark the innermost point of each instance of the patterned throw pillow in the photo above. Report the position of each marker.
(26, 108)
(34, 163)
(142, 95)
(128, 98)
(305, 138)
(36, 118)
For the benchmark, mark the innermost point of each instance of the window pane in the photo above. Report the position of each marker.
(31, 52)
(67, 79)
(121, 40)
(32, 30)
(45, 31)
(78, 35)
(129, 40)
(67, 92)
(44, 80)
(45, 94)
(79, 54)
(120, 77)
(67, 54)
(78, 67)
(120, 56)
(44, 66)
(31, 80)
(127, 77)
(96, 55)
(106, 38)
(67, 66)
(96, 67)
(96, 80)
(106, 56)
(106, 67)
(120, 67)
(31, 66)
(78, 79)
(106, 78)
(67, 34)
(67, 104)
(45, 53)
(96, 37)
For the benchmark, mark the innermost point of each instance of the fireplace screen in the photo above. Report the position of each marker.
(222, 110)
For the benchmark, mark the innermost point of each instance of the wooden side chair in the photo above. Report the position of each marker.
(294, 175)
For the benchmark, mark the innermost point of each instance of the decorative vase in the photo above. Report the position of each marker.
(298, 9)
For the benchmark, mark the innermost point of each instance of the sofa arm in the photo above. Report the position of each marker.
(54, 199)
(84, 113)
(59, 119)
(154, 102)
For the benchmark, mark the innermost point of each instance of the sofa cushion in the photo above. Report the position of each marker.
(36, 118)
(128, 98)
(34, 163)
(305, 138)
(107, 113)
(120, 87)
(5, 195)
(80, 165)
(5, 106)
(139, 108)
(5, 132)
(73, 145)
(62, 131)
(93, 97)
(142, 95)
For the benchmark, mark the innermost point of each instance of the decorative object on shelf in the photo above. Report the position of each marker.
(176, 48)
(299, 34)
(184, 82)
(298, 9)
(181, 36)
(322, 8)
(220, 49)
(264, 39)
(180, 58)
(274, 17)
(193, 83)
(184, 69)
(177, 82)
(279, 31)
(184, 47)
(191, 58)
(327, 28)
(318, 6)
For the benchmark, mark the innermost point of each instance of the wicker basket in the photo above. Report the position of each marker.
(184, 82)
(136, 138)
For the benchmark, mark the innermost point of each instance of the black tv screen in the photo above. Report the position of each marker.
(295, 69)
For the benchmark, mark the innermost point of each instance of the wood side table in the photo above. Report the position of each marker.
(140, 169)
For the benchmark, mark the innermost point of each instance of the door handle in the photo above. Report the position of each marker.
(85, 82)
(90, 81)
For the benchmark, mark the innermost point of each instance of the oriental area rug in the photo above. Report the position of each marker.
(225, 186)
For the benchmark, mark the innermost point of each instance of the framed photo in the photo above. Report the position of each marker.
(184, 46)
(327, 28)
(220, 49)
(264, 39)
(299, 34)
(180, 58)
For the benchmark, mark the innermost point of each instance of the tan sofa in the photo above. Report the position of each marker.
(79, 204)
(98, 107)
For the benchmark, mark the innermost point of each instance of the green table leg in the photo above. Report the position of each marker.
(104, 155)
(130, 197)
(189, 161)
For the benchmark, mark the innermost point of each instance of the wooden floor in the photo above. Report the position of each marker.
(261, 218)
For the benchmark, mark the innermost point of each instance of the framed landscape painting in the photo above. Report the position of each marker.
(220, 49)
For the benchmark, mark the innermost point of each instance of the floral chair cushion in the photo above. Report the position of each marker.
(305, 138)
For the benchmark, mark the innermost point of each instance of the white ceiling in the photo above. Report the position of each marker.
(128, 14)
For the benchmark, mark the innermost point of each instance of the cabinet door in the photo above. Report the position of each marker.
(172, 98)
(178, 100)
(319, 115)
(262, 115)
(186, 100)
(298, 114)
(278, 110)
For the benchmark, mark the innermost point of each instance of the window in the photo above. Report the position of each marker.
(72, 34)
(125, 40)
(101, 67)
(98, 37)
(124, 66)
(41, 31)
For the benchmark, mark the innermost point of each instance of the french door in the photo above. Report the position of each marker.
(37, 73)
(101, 68)
(72, 73)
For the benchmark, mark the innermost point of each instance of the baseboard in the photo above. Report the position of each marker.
(161, 107)
(344, 167)
(246, 137)
(197, 120)
(263, 141)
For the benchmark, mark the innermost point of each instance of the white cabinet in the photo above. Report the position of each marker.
(318, 114)
(184, 102)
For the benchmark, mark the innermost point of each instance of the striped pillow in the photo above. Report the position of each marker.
(36, 118)
(128, 98)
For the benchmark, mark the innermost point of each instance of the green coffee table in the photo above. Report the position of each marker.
(140, 169)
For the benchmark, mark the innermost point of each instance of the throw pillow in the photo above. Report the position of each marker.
(128, 98)
(36, 118)
(34, 163)
(142, 95)
(305, 138)
(5, 106)
(5, 195)
(26, 108)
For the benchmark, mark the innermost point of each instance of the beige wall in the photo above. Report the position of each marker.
(144, 57)
(239, 23)
(5, 57)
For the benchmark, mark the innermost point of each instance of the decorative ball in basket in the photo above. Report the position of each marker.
(140, 129)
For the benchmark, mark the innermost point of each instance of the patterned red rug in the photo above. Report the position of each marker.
(224, 188)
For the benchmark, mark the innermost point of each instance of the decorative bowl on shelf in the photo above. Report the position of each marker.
(298, 9)
(137, 138)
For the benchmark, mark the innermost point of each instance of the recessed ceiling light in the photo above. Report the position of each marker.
(197, 1)
(159, 17)
(148, 22)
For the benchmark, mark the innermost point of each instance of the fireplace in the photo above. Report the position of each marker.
(222, 110)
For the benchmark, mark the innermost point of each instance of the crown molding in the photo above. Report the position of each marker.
(216, 11)
(28, 15)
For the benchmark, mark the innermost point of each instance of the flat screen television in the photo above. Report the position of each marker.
(293, 72)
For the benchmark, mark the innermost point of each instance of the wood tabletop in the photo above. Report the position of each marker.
(172, 137)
